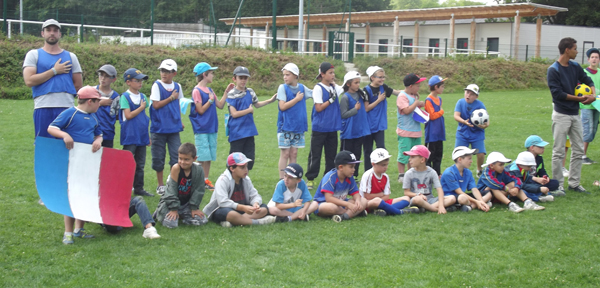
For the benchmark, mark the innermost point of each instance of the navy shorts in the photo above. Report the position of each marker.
(221, 214)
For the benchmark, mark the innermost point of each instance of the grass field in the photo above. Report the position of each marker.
(554, 247)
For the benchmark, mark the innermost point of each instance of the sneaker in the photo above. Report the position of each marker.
(226, 224)
(151, 233)
(579, 189)
(587, 161)
(160, 190)
(82, 234)
(306, 218)
(143, 193)
(41, 202)
(208, 185)
(337, 218)
(479, 172)
(513, 207)
(400, 178)
(466, 208)
(546, 198)
(266, 220)
(412, 210)
(530, 205)
(283, 219)
(362, 213)
(195, 221)
(310, 184)
(379, 212)
(451, 208)
(565, 172)
(67, 239)
(558, 193)
(489, 203)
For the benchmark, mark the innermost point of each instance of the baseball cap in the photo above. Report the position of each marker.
(237, 158)
(418, 150)
(495, 157)
(436, 79)
(474, 88)
(133, 73)
(535, 140)
(168, 64)
(88, 92)
(324, 67)
(351, 75)
(108, 69)
(50, 22)
(371, 70)
(241, 71)
(525, 158)
(294, 170)
(203, 67)
(592, 50)
(292, 68)
(412, 78)
(345, 157)
(463, 151)
(379, 155)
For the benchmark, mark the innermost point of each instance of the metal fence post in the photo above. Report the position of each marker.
(4, 25)
(446, 48)
(330, 44)
(81, 30)
(351, 47)
(152, 22)
(526, 52)
(401, 45)
(274, 26)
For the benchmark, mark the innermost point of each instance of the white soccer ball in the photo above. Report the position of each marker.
(480, 117)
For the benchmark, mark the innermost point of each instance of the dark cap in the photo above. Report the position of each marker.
(345, 157)
(133, 73)
(294, 170)
(324, 67)
(592, 50)
(412, 78)
(241, 71)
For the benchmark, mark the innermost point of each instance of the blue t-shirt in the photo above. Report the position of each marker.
(81, 126)
(108, 117)
(284, 196)
(463, 131)
(331, 184)
(452, 180)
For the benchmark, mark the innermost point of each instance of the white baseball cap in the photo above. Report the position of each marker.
(50, 22)
(462, 151)
(351, 75)
(371, 70)
(495, 157)
(526, 159)
(379, 155)
(474, 88)
(292, 68)
(168, 64)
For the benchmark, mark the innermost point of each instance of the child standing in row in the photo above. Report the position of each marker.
(435, 130)
(468, 134)
(109, 103)
(355, 125)
(408, 129)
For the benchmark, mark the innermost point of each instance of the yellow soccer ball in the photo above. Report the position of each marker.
(582, 89)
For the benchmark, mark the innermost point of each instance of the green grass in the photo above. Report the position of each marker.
(550, 248)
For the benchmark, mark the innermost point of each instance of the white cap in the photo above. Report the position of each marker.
(168, 64)
(371, 70)
(292, 68)
(474, 88)
(351, 75)
(462, 151)
(50, 22)
(495, 157)
(379, 155)
(526, 159)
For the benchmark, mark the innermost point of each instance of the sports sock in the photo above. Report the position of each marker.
(68, 233)
(389, 209)
(77, 230)
(400, 205)
(255, 222)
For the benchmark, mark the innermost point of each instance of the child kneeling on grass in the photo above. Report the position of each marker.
(503, 185)
(331, 196)
(522, 168)
(185, 189)
(235, 201)
(291, 193)
(375, 188)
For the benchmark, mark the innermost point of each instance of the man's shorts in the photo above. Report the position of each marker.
(479, 145)
(290, 140)
(404, 144)
(206, 146)
(220, 214)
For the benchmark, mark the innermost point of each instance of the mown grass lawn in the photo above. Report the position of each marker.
(554, 247)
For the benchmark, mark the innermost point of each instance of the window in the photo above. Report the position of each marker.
(360, 45)
(383, 49)
(407, 45)
(462, 43)
(317, 47)
(493, 44)
(434, 47)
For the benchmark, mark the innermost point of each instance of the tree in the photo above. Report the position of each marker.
(581, 12)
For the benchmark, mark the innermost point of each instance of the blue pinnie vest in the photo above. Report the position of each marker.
(330, 119)
(293, 119)
(135, 130)
(435, 130)
(107, 121)
(406, 122)
(378, 115)
(356, 126)
(168, 118)
(241, 127)
(207, 122)
(58, 83)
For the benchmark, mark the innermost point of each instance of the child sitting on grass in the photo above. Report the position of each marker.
(291, 194)
(535, 145)
(522, 168)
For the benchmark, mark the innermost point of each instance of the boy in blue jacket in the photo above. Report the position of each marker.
(523, 168)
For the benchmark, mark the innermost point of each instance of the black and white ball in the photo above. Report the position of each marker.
(480, 117)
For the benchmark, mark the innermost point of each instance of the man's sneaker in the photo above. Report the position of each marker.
(412, 210)
(400, 178)
(513, 207)
(579, 189)
(143, 193)
(546, 198)
(489, 203)
(283, 219)
(266, 220)
(67, 239)
(337, 218)
(226, 224)
(208, 185)
(530, 205)
(466, 208)
(310, 184)
(479, 172)
(565, 172)
(587, 161)
(160, 190)
(82, 234)
(151, 233)
(379, 212)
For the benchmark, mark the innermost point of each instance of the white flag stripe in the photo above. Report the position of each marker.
(84, 173)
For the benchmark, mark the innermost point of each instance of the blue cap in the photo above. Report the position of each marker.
(202, 67)
(133, 73)
(535, 140)
(588, 53)
(436, 79)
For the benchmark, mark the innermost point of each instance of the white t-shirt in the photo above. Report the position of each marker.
(155, 92)
(317, 93)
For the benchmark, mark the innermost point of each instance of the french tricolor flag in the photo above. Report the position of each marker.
(94, 187)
